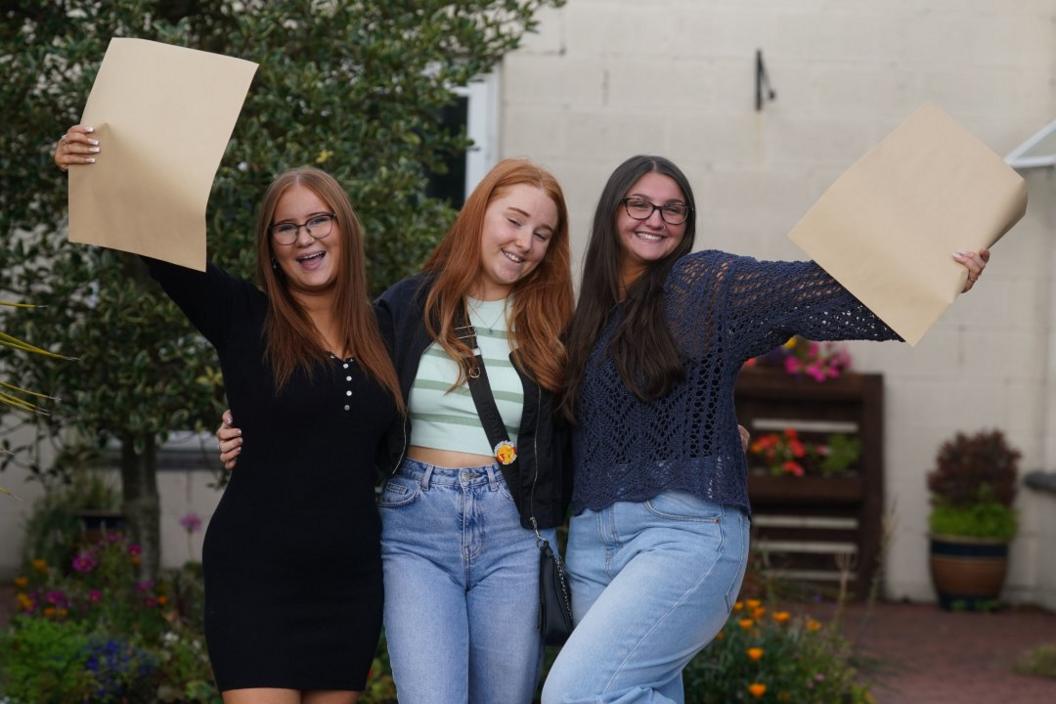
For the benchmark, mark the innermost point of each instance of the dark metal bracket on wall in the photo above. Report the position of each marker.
(762, 82)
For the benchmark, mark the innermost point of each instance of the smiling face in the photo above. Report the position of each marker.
(310, 265)
(643, 242)
(518, 225)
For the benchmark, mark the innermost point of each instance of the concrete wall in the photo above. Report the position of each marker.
(605, 79)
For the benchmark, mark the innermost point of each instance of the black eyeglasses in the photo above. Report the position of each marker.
(318, 227)
(641, 209)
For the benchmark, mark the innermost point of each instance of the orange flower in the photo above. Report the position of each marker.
(754, 654)
(40, 565)
(21, 582)
(134, 559)
(746, 623)
(782, 616)
(61, 612)
(24, 602)
(758, 613)
(813, 625)
(162, 600)
(49, 611)
(753, 603)
(757, 689)
(738, 605)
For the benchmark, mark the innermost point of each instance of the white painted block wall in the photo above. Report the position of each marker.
(605, 79)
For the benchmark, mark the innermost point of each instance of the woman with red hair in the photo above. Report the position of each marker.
(459, 527)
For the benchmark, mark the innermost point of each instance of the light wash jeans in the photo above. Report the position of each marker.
(652, 583)
(461, 587)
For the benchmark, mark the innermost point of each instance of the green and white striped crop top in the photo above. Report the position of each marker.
(447, 420)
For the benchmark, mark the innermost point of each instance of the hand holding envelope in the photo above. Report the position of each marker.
(886, 228)
(142, 196)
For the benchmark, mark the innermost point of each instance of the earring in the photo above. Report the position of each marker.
(274, 263)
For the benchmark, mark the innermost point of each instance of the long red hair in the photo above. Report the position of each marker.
(542, 300)
(292, 339)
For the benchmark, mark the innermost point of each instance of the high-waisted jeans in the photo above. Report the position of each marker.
(652, 583)
(461, 587)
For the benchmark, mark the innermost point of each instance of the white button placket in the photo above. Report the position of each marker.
(348, 391)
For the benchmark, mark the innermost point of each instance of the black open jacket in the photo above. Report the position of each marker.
(541, 479)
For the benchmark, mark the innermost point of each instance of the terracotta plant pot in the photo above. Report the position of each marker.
(968, 573)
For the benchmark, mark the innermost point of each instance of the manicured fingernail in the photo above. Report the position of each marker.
(238, 450)
(91, 160)
(89, 129)
(93, 150)
(239, 433)
(94, 141)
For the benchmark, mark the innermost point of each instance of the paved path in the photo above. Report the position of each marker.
(919, 654)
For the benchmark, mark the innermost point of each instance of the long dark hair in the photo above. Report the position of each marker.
(642, 347)
(292, 339)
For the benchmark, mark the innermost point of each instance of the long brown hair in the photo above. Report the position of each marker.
(642, 347)
(292, 339)
(542, 300)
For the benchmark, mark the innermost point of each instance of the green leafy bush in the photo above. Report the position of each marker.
(43, 661)
(774, 657)
(1040, 661)
(973, 486)
(987, 519)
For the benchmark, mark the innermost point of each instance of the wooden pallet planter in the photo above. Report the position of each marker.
(811, 528)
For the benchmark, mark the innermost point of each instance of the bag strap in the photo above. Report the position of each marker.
(484, 397)
(480, 389)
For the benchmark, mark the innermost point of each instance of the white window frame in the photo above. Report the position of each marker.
(482, 126)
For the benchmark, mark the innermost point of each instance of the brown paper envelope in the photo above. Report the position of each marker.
(163, 116)
(886, 229)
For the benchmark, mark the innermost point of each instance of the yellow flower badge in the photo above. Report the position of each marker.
(505, 453)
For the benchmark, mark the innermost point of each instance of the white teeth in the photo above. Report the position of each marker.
(512, 257)
(307, 257)
(648, 237)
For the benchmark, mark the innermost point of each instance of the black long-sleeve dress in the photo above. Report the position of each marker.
(293, 592)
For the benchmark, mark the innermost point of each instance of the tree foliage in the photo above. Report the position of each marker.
(356, 88)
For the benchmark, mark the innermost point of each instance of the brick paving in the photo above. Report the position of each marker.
(919, 654)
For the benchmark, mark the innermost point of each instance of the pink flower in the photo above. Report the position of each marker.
(95, 596)
(55, 598)
(135, 549)
(84, 562)
(144, 585)
(191, 522)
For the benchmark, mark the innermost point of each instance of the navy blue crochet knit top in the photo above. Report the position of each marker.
(722, 309)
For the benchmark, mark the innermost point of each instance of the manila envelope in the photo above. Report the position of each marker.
(163, 116)
(886, 229)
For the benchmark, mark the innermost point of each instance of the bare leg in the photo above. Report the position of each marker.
(262, 695)
(330, 696)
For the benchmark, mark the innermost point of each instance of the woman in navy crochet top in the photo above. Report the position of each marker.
(658, 542)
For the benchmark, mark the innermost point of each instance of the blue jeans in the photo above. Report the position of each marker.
(461, 587)
(652, 583)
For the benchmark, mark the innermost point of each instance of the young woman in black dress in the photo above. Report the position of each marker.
(293, 582)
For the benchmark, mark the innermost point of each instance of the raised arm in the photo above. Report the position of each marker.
(752, 306)
(209, 299)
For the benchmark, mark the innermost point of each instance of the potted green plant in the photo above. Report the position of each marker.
(972, 519)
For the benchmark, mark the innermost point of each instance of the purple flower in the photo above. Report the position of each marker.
(56, 598)
(135, 549)
(95, 596)
(191, 522)
(84, 562)
(144, 585)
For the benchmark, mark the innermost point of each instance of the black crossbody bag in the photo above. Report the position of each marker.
(555, 604)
